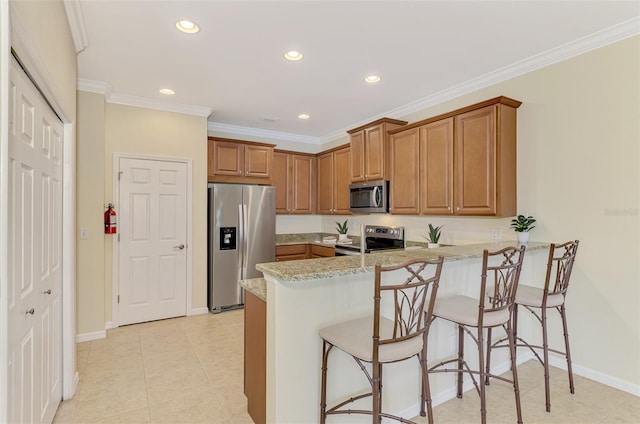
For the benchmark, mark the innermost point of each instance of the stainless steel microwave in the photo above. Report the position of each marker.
(369, 197)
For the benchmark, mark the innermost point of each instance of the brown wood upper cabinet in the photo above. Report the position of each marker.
(294, 176)
(239, 161)
(333, 181)
(459, 163)
(370, 149)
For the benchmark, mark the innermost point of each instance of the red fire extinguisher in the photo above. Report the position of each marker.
(110, 226)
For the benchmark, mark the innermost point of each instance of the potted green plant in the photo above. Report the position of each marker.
(433, 237)
(342, 229)
(522, 225)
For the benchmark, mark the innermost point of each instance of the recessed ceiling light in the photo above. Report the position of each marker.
(167, 91)
(303, 116)
(372, 79)
(293, 55)
(187, 26)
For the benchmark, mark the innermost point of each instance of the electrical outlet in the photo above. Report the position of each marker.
(496, 234)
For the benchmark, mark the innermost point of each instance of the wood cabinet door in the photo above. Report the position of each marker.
(210, 159)
(303, 201)
(357, 156)
(228, 158)
(257, 161)
(341, 181)
(436, 167)
(374, 153)
(326, 183)
(280, 179)
(475, 162)
(405, 168)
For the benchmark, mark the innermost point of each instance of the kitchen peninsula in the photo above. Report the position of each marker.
(306, 295)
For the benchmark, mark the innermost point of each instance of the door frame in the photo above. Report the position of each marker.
(115, 281)
(14, 35)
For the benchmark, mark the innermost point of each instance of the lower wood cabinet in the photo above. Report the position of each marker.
(322, 251)
(255, 357)
(292, 252)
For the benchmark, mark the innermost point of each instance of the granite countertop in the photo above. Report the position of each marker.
(314, 269)
(256, 286)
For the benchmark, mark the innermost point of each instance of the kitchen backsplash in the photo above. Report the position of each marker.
(454, 231)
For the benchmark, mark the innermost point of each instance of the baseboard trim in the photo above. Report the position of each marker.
(87, 337)
(607, 380)
(199, 311)
(109, 325)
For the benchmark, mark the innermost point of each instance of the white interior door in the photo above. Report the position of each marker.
(152, 274)
(35, 251)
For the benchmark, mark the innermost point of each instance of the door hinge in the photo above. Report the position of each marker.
(118, 299)
(120, 174)
(118, 236)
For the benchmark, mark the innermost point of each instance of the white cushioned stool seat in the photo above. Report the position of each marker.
(464, 310)
(354, 338)
(532, 296)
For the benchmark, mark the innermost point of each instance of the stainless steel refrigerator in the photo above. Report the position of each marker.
(241, 234)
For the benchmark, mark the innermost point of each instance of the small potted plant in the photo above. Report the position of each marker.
(434, 236)
(342, 229)
(522, 225)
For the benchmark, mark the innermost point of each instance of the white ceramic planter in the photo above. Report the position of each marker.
(342, 236)
(523, 237)
(433, 245)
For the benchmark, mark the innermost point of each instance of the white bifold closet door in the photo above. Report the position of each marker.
(35, 251)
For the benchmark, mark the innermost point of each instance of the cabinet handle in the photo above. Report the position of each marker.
(31, 311)
(448, 208)
(458, 208)
(47, 292)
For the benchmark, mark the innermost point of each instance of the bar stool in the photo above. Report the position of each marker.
(552, 296)
(498, 285)
(380, 340)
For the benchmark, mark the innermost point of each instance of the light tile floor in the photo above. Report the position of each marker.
(189, 370)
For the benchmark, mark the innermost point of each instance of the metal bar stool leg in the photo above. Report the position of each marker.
(482, 376)
(488, 368)
(460, 359)
(545, 351)
(563, 314)
(514, 369)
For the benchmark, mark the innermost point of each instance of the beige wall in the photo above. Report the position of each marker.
(578, 157)
(90, 200)
(578, 137)
(578, 160)
(45, 21)
(152, 132)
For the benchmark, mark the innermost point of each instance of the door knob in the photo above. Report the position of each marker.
(47, 292)
(180, 246)
(31, 311)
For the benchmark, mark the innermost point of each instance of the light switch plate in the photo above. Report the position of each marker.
(84, 233)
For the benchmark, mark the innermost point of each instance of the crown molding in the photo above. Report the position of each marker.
(76, 24)
(566, 51)
(97, 87)
(105, 89)
(144, 102)
(255, 132)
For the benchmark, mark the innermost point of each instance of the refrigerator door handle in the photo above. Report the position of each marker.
(242, 239)
(245, 244)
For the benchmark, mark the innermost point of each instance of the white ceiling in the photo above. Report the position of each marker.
(234, 66)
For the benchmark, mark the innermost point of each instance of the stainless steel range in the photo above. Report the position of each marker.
(377, 238)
